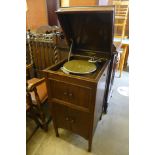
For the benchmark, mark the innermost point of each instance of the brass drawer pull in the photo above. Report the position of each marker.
(65, 93)
(67, 118)
(70, 94)
(72, 121)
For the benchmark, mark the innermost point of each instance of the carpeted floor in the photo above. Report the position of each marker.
(111, 136)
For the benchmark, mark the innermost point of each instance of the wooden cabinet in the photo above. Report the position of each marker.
(71, 119)
(74, 94)
(110, 81)
(61, 116)
(77, 100)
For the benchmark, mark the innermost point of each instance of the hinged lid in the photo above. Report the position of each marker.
(90, 28)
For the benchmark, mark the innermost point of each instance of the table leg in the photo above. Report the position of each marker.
(122, 58)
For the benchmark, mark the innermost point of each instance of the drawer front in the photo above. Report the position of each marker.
(60, 91)
(80, 122)
(61, 116)
(74, 120)
(78, 95)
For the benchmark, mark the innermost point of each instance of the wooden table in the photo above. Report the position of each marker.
(125, 44)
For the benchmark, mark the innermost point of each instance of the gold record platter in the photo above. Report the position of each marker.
(79, 67)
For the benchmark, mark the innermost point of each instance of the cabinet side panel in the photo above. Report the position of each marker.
(100, 98)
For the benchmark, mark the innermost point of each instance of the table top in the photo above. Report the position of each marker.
(124, 41)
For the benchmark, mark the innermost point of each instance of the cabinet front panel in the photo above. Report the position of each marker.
(61, 116)
(73, 120)
(78, 95)
(60, 91)
(80, 122)
(100, 94)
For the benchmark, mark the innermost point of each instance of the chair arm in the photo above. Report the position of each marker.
(32, 86)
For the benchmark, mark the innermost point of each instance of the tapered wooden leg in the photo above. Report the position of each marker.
(55, 128)
(89, 144)
(45, 127)
(105, 108)
(122, 58)
(57, 133)
(100, 117)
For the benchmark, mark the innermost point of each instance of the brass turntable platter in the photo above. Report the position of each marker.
(79, 67)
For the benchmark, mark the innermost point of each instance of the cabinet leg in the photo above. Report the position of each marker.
(105, 111)
(89, 144)
(57, 133)
(105, 108)
(56, 129)
(100, 117)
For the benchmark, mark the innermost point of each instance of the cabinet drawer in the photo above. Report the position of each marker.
(78, 95)
(73, 120)
(61, 116)
(80, 122)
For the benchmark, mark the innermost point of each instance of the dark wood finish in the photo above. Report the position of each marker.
(90, 36)
(110, 81)
(52, 6)
(69, 93)
(77, 101)
(93, 37)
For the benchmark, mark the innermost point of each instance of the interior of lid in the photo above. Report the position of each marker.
(89, 30)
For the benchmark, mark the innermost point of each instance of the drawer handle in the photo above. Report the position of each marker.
(72, 121)
(65, 93)
(70, 94)
(67, 118)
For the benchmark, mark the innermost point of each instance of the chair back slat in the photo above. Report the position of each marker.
(121, 16)
(44, 51)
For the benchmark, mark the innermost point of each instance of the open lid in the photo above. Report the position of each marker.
(89, 28)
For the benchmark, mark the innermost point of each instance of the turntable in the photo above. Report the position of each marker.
(79, 67)
(78, 86)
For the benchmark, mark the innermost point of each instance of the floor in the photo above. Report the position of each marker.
(111, 136)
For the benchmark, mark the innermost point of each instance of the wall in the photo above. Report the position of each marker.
(64, 3)
(83, 2)
(103, 2)
(36, 14)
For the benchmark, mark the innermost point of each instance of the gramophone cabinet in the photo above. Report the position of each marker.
(78, 101)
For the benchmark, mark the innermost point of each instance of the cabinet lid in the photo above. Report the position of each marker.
(89, 28)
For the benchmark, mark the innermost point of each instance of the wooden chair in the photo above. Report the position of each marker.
(41, 45)
(32, 113)
(38, 57)
(45, 29)
(36, 97)
(121, 16)
(37, 91)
